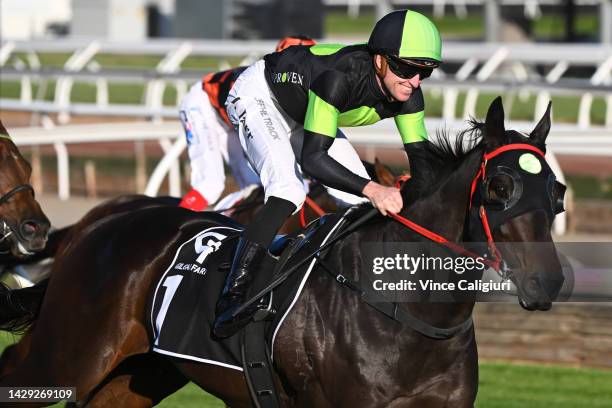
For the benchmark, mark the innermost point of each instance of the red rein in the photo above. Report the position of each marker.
(314, 206)
(494, 263)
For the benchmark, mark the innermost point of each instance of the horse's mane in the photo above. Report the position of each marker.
(441, 156)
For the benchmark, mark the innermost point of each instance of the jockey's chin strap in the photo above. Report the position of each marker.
(496, 262)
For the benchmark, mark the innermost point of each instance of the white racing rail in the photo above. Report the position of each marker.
(521, 69)
(564, 139)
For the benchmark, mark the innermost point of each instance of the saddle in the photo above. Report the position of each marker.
(182, 307)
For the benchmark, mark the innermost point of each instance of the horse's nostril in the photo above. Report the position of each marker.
(532, 286)
(28, 229)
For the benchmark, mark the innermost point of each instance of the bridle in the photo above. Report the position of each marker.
(389, 308)
(496, 262)
(21, 187)
(5, 230)
(400, 315)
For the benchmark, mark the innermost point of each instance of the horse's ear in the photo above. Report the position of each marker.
(540, 132)
(3, 130)
(495, 132)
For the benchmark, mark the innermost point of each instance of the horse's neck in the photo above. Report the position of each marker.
(444, 212)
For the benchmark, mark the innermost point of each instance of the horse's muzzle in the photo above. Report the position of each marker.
(537, 293)
(33, 234)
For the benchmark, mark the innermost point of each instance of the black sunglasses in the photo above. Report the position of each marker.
(405, 70)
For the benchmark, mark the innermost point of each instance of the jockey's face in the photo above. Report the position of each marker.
(400, 89)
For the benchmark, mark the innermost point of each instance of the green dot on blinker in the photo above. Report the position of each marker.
(530, 163)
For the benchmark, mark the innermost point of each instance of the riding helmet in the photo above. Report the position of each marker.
(406, 34)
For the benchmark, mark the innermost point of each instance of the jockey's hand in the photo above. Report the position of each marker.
(385, 199)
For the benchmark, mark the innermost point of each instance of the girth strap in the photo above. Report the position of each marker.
(257, 366)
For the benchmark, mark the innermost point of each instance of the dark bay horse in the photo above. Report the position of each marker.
(333, 350)
(155, 377)
(23, 225)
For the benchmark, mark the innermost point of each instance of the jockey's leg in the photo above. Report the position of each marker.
(238, 163)
(203, 132)
(264, 136)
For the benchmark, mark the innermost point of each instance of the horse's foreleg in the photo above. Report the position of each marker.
(14, 354)
(76, 359)
(140, 381)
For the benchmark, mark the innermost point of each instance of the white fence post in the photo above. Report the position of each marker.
(169, 160)
(5, 52)
(485, 72)
(63, 87)
(63, 171)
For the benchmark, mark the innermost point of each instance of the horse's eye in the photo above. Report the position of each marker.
(500, 188)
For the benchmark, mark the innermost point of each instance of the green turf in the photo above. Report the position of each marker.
(338, 23)
(519, 386)
(553, 26)
(565, 108)
(191, 396)
(590, 187)
(502, 385)
(548, 27)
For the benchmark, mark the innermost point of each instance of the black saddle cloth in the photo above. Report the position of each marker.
(182, 308)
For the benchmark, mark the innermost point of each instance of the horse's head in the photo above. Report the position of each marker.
(23, 225)
(515, 198)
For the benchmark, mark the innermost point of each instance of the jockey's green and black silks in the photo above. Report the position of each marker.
(325, 87)
(328, 86)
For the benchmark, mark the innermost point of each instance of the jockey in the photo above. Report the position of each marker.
(211, 138)
(287, 109)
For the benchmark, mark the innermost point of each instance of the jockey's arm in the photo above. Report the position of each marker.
(411, 126)
(320, 127)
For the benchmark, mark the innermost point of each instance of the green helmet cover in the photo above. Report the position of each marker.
(407, 34)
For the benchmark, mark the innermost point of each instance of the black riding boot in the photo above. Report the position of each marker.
(246, 261)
